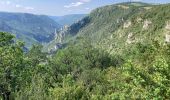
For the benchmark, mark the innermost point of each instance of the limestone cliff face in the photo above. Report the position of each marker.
(64, 33)
(59, 36)
(58, 39)
(167, 31)
(167, 25)
(146, 24)
(127, 24)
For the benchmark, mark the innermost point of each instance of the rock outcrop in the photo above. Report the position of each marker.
(167, 38)
(146, 24)
(130, 38)
(127, 24)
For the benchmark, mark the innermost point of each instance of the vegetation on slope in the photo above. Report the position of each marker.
(102, 22)
(28, 27)
(83, 72)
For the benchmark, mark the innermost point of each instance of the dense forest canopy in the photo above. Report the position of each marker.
(83, 72)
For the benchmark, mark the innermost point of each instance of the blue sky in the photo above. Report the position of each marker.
(60, 7)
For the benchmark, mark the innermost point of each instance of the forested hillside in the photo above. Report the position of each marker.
(101, 23)
(31, 29)
(118, 52)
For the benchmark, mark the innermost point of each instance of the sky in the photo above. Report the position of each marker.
(60, 7)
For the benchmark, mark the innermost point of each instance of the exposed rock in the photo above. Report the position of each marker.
(61, 34)
(147, 8)
(167, 38)
(128, 41)
(111, 37)
(92, 24)
(130, 35)
(130, 38)
(57, 46)
(167, 31)
(122, 19)
(127, 24)
(146, 24)
(167, 26)
(124, 7)
(139, 20)
(118, 21)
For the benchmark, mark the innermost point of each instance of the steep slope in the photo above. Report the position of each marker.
(28, 27)
(116, 28)
(68, 19)
(150, 25)
(100, 24)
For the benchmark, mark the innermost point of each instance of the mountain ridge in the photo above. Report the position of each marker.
(68, 19)
(102, 20)
(30, 28)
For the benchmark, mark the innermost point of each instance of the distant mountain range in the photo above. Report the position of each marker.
(34, 29)
(68, 19)
(29, 28)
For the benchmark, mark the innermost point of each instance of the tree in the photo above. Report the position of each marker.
(11, 64)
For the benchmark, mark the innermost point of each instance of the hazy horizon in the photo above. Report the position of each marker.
(60, 8)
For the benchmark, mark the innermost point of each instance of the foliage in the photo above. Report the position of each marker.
(19, 71)
(85, 70)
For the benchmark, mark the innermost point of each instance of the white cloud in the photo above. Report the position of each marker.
(87, 8)
(18, 6)
(5, 2)
(85, 0)
(8, 2)
(22, 7)
(29, 8)
(136, 0)
(12, 4)
(74, 4)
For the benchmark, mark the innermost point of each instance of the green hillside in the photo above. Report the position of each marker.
(28, 27)
(101, 23)
(132, 38)
(119, 26)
